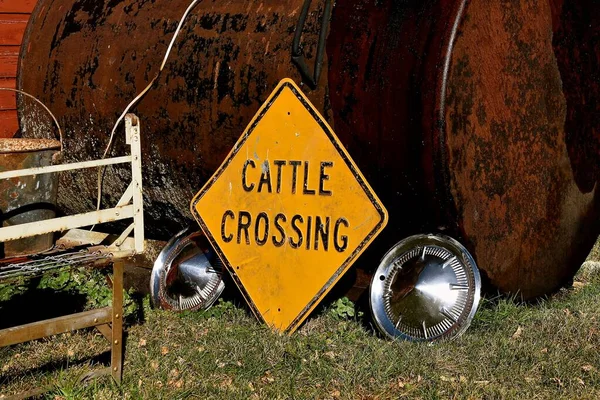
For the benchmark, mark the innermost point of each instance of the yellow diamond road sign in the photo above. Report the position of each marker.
(288, 212)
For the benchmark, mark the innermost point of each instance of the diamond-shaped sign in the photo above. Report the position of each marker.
(288, 212)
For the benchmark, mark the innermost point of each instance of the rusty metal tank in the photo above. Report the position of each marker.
(477, 119)
(30, 198)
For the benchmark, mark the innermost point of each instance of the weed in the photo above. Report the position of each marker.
(87, 282)
(67, 387)
(343, 309)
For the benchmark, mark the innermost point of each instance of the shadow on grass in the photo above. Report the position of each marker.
(102, 359)
(38, 304)
(35, 304)
(94, 363)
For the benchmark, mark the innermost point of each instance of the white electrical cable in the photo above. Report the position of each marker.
(138, 97)
(60, 135)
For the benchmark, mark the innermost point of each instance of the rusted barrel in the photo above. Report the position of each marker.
(466, 117)
(30, 198)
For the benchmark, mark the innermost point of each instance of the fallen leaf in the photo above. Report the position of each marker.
(200, 349)
(164, 350)
(142, 343)
(579, 285)
(251, 386)
(330, 354)
(517, 333)
(267, 378)
(335, 394)
(529, 380)
(446, 379)
(175, 383)
(462, 379)
(140, 383)
(220, 364)
(580, 381)
(154, 365)
(567, 312)
(587, 368)
(544, 350)
(225, 383)
(70, 353)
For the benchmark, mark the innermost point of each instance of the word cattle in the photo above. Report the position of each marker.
(298, 231)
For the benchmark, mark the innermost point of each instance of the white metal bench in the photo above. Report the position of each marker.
(109, 320)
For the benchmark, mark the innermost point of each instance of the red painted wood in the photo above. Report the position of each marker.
(7, 99)
(8, 123)
(9, 56)
(8, 72)
(17, 6)
(12, 27)
(14, 15)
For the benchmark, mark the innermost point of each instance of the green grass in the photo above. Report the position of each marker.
(547, 350)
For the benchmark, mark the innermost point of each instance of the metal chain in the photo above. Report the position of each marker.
(40, 266)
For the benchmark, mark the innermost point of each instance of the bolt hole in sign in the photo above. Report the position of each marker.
(288, 211)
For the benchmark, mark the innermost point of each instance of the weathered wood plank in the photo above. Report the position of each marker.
(12, 28)
(8, 123)
(8, 99)
(9, 57)
(17, 6)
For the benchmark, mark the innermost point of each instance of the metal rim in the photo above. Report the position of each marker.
(426, 288)
(201, 271)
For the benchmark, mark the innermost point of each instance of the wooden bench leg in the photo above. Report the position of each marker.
(116, 363)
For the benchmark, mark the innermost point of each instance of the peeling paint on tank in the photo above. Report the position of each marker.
(213, 91)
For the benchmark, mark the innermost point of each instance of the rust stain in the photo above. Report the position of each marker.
(30, 198)
(576, 42)
(20, 145)
(193, 114)
(509, 168)
(518, 202)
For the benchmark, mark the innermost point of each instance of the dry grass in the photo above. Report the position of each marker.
(543, 351)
